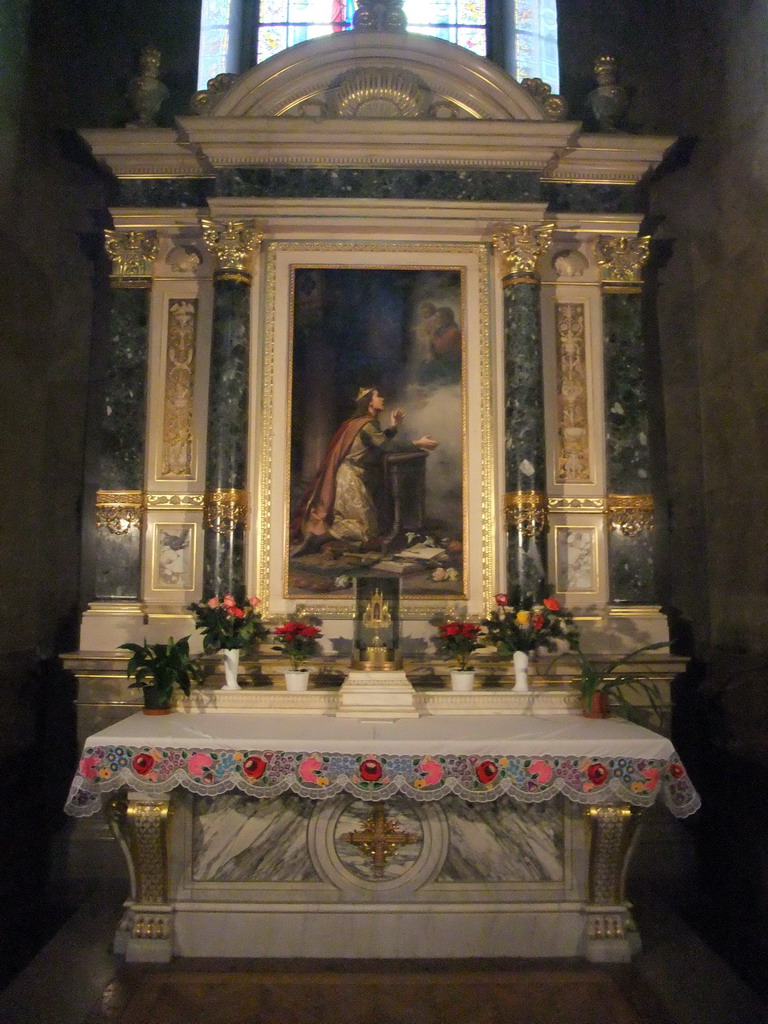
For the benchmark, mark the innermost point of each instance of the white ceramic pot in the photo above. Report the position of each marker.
(231, 664)
(462, 679)
(297, 679)
(520, 660)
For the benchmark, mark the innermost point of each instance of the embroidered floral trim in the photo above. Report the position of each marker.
(267, 773)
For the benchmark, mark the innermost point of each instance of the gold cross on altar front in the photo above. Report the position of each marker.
(380, 837)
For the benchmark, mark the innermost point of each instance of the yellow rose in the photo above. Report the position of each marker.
(522, 618)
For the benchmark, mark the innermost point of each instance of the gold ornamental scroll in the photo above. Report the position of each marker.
(233, 244)
(621, 261)
(225, 509)
(119, 511)
(630, 514)
(521, 246)
(526, 512)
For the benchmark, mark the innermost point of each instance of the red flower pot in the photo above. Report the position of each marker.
(597, 707)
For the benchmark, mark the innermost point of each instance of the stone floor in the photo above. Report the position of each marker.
(676, 979)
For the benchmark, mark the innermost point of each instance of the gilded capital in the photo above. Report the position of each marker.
(630, 514)
(526, 512)
(225, 509)
(119, 511)
(621, 259)
(132, 252)
(232, 243)
(521, 246)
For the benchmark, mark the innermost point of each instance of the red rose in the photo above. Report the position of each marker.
(676, 770)
(254, 767)
(143, 763)
(486, 771)
(370, 770)
(552, 604)
(236, 613)
(501, 600)
(537, 621)
(597, 773)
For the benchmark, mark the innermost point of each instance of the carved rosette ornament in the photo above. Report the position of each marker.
(555, 107)
(630, 514)
(622, 259)
(205, 98)
(225, 509)
(521, 246)
(526, 512)
(119, 511)
(132, 253)
(233, 244)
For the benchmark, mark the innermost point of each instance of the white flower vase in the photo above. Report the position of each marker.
(520, 661)
(231, 660)
(297, 680)
(462, 679)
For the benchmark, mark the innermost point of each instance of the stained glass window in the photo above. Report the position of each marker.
(283, 23)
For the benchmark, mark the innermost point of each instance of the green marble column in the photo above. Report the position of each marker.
(631, 573)
(226, 496)
(524, 467)
(122, 424)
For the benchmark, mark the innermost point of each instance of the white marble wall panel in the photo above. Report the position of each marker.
(238, 839)
(504, 842)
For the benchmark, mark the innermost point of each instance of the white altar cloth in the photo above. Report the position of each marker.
(531, 758)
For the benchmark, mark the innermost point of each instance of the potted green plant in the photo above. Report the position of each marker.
(599, 684)
(158, 669)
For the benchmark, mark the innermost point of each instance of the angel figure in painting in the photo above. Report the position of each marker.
(341, 502)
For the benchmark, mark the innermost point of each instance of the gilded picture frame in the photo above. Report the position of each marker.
(410, 325)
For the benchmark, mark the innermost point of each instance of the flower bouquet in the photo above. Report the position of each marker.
(458, 640)
(297, 640)
(227, 625)
(527, 626)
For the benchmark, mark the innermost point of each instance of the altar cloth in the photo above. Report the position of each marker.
(529, 758)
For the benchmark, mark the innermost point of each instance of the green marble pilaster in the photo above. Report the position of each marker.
(628, 465)
(525, 467)
(121, 444)
(224, 548)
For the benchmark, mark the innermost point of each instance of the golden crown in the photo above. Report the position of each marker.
(363, 391)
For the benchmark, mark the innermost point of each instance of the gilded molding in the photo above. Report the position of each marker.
(233, 244)
(132, 252)
(521, 246)
(573, 457)
(177, 443)
(610, 831)
(526, 512)
(119, 511)
(146, 835)
(191, 502)
(563, 503)
(225, 509)
(630, 514)
(621, 259)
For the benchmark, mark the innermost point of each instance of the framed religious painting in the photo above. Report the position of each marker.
(376, 456)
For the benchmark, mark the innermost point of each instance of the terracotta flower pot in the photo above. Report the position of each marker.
(597, 706)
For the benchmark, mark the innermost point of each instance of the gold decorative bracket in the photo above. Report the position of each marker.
(132, 253)
(233, 244)
(526, 512)
(119, 511)
(630, 514)
(225, 509)
(611, 829)
(622, 259)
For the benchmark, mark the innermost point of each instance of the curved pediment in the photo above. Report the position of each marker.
(375, 75)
